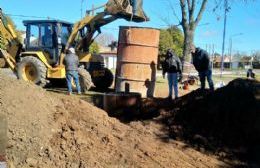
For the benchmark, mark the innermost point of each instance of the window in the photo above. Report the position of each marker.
(34, 36)
(65, 33)
(41, 35)
(46, 35)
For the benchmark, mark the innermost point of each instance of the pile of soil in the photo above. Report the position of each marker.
(228, 117)
(2, 62)
(50, 130)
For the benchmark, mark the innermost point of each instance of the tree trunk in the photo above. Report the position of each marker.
(188, 41)
(189, 24)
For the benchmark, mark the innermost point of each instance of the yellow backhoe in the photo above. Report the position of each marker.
(40, 58)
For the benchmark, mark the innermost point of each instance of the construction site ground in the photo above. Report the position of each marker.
(47, 128)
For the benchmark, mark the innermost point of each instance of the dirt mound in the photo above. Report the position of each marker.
(50, 130)
(229, 117)
(2, 63)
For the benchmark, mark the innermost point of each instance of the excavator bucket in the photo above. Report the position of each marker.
(130, 10)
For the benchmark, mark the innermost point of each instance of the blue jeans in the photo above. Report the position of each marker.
(206, 74)
(75, 76)
(173, 82)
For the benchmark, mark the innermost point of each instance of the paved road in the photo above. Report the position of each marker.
(217, 72)
(159, 72)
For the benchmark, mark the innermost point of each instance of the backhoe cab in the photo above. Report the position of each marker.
(47, 41)
(47, 36)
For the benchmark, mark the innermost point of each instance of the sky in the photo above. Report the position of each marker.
(243, 19)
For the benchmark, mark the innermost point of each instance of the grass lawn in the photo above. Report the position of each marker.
(228, 78)
(162, 86)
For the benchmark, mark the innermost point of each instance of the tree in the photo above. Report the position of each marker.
(105, 39)
(166, 41)
(171, 37)
(94, 48)
(256, 56)
(113, 45)
(189, 22)
(178, 40)
(191, 14)
(256, 59)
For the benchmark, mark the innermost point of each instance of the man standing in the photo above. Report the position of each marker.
(201, 63)
(250, 74)
(71, 63)
(172, 66)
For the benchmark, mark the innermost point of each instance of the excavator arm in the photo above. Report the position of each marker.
(10, 44)
(87, 28)
(130, 10)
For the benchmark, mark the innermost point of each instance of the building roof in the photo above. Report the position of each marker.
(218, 59)
(109, 53)
(106, 51)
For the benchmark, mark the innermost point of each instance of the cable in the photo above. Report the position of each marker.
(25, 16)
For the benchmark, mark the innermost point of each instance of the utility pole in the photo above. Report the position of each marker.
(252, 59)
(93, 10)
(230, 52)
(210, 49)
(209, 52)
(213, 56)
(81, 9)
(231, 46)
(226, 8)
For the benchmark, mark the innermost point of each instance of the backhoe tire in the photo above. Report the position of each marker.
(33, 70)
(84, 79)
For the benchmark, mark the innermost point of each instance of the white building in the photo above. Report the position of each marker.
(110, 59)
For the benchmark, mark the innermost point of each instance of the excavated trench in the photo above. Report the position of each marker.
(225, 122)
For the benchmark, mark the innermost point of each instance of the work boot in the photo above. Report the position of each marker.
(169, 97)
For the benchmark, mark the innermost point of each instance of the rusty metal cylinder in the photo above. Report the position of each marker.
(137, 57)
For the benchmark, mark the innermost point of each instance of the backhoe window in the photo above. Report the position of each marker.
(34, 36)
(41, 35)
(46, 35)
(65, 33)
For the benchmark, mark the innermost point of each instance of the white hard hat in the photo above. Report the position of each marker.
(72, 50)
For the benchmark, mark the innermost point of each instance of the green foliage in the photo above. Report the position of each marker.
(178, 40)
(166, 41)
(94, 48)
(171, 38)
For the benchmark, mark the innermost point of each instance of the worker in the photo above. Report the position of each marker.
(250, 74)
(71, 63)
(172, 66)
(201, 63)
